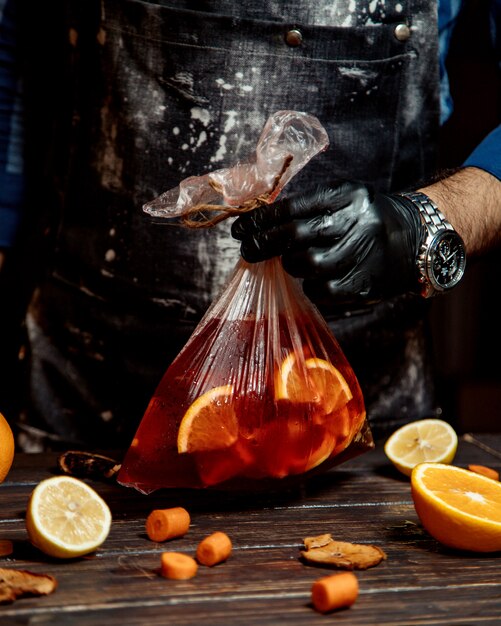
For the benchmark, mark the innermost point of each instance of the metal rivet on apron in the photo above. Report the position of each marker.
(402, 32)
(294, 37)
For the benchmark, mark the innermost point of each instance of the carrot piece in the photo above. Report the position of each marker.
(334, 592)
(163, 524)
(177, 566)
(485, 471)
(214, 549)
(6, 547)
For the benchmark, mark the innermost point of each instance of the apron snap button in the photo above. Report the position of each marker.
(402, 32)
(294, 37)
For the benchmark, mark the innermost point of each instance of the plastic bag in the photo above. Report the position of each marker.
(288, 141)
(261, 392)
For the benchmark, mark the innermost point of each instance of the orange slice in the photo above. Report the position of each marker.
(457, 507)
(315, 380)
(210, 422)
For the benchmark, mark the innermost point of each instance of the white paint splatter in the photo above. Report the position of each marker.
(175, 130)
(202, 138)
(219, 156)
(110, 255)
(202, 115)
(230, 121)
(223, 84)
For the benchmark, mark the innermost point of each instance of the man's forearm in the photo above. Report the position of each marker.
(471, 200)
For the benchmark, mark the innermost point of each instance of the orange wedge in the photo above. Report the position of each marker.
(314, 380)
(210, 422)
(457, 507)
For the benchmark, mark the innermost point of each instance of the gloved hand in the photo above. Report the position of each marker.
(352, 247)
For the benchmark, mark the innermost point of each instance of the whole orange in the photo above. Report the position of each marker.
(6, 448)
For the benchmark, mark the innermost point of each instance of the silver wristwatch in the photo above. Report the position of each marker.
(442, 256)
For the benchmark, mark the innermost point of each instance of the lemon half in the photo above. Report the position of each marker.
(427, 440)
(66, 518)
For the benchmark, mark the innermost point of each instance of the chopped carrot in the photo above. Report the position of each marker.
(214, 549)
(178, 566)
(334, 592)
(485, 471)
(6, 547)
(163, 524)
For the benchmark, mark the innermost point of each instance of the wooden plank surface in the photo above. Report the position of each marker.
(264, 582)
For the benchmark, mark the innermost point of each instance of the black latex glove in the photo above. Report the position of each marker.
(351, 246)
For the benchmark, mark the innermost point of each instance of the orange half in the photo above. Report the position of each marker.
(457, 507)
(210, 423)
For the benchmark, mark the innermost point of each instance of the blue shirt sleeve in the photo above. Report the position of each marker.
(448, 12)
(12, 180)
(487, 155)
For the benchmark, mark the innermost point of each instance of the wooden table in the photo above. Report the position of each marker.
(264, 582)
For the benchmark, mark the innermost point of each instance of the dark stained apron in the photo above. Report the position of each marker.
(153, 92)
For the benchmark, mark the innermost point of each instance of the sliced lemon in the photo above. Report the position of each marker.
(427, 440)
(457, 507)
(210, 423)
(317, 380)
(66, 518)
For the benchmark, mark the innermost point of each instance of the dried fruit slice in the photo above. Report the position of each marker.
(459, 508)
(15, 583)
(66, 518)
(209, 423)
(324, 550)
(316, 380)
(428, 440)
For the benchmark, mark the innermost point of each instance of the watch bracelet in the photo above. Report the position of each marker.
(433, 218)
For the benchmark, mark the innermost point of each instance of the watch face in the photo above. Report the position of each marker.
(447, 260)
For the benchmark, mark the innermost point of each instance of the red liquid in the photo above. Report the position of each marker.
(276, 437)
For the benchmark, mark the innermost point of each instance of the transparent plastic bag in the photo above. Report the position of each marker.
(261, 392)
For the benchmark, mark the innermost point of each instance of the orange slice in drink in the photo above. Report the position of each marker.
(209, 423)
(314, 380)
(457, 507)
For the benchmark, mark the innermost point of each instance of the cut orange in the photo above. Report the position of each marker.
(314, 380)
(210, 422)
(457, 507)
(427, 440)
(6, 448)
